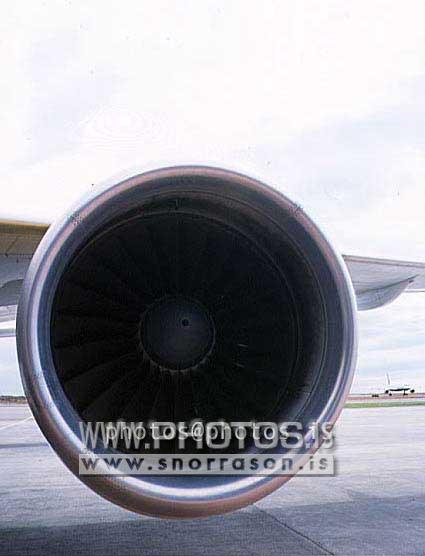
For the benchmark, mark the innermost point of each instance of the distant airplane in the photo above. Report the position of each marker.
(398, 387)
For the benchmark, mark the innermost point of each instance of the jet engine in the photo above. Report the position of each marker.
(179, 294)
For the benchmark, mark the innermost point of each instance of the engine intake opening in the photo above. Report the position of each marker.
(177, 315)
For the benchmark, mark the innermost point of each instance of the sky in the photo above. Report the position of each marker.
(323, 100)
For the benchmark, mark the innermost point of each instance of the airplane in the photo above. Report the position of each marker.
(185, 292)
(397, 387)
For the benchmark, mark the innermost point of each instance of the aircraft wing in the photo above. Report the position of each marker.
(18, 241)
(380, 281)
(376, 281)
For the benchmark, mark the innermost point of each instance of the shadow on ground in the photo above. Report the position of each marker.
(243, 533)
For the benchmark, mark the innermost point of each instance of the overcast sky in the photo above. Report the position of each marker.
(324, 100)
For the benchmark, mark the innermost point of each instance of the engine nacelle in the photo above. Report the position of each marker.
(186, 292)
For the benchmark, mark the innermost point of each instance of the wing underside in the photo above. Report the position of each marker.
(377, 282)
(18, 241)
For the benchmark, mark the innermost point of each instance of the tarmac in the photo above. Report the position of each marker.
(374, 505)
(396, 397)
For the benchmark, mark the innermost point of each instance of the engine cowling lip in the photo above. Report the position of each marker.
(128, 492)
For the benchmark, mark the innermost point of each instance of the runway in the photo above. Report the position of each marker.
(374, 505)
(396, 398)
